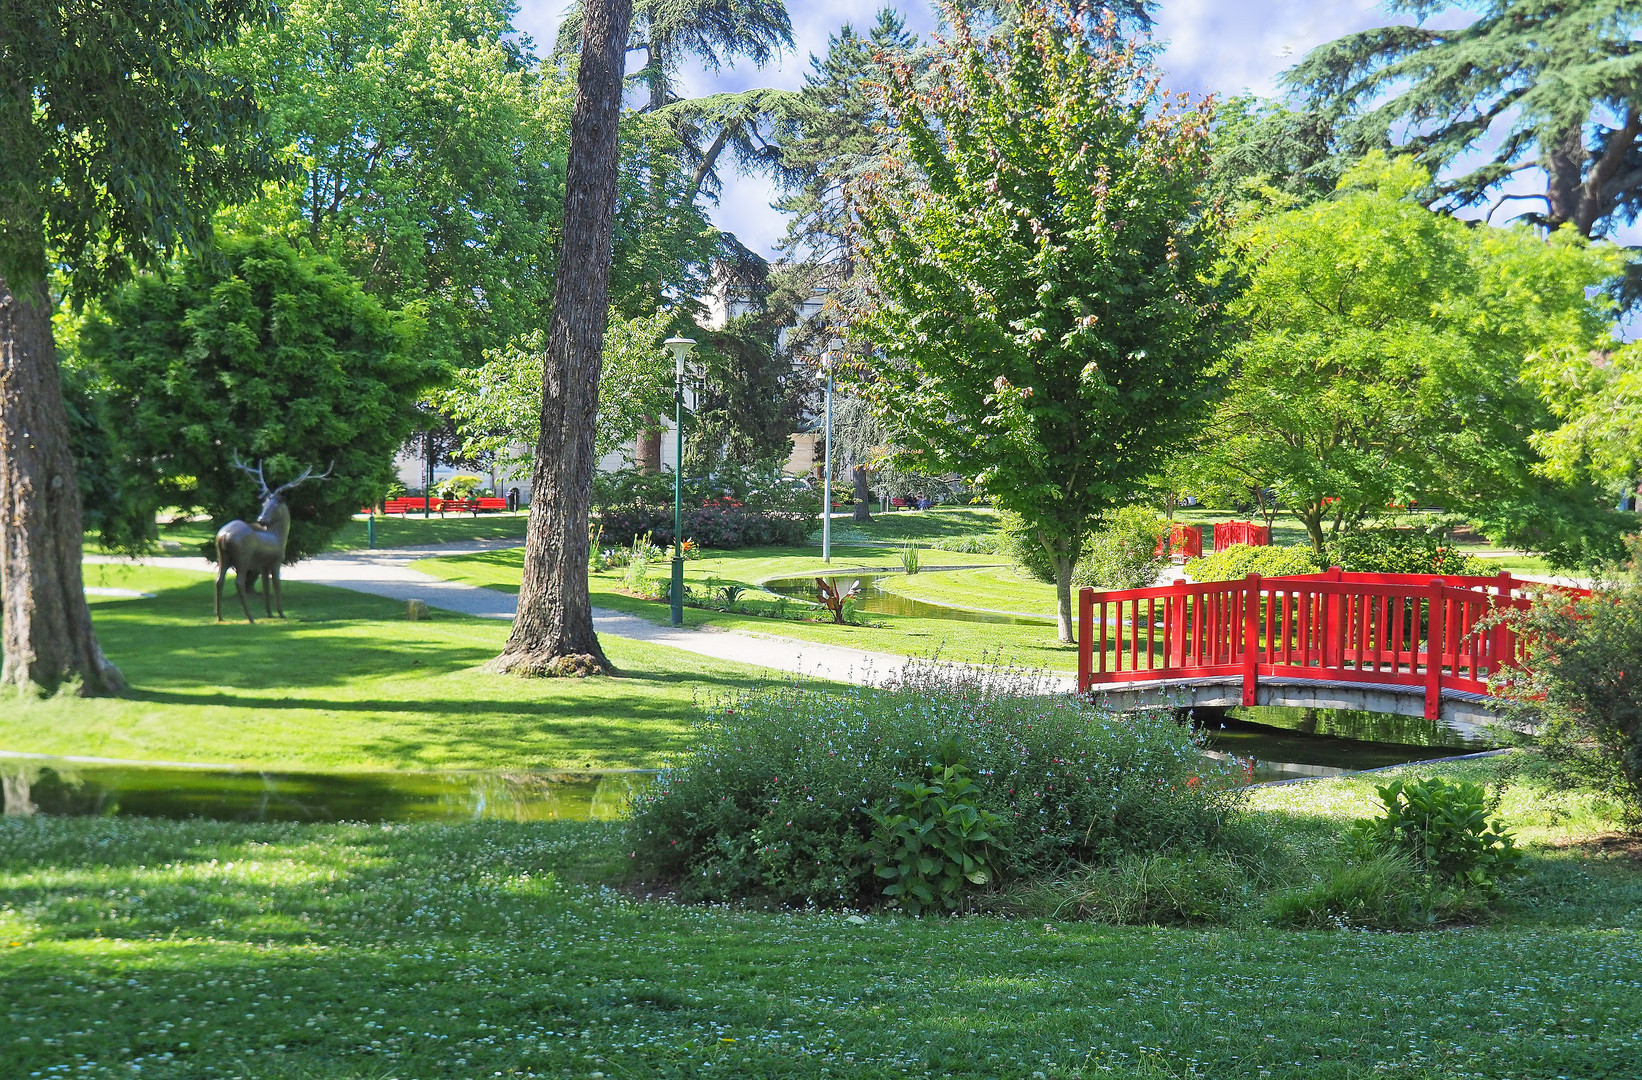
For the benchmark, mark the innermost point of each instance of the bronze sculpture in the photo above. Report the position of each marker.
(257, 549)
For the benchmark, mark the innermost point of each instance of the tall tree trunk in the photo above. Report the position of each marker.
(46, 639)
(1063, 599)
(863, 509)
(647, 449)
(553, 632)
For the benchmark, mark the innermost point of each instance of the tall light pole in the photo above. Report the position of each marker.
(826, 481)
(680, 348)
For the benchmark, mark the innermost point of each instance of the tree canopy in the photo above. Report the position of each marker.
(1383, 358)
(1042, 261)
(259, 350)
(1554, 85)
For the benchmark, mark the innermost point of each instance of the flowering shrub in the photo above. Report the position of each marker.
(775, 801)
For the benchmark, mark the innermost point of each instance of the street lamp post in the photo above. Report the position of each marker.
(826, 480)
(680, 348)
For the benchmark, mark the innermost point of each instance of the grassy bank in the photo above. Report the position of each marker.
(347, 682)
(201, 949)
(398, 530)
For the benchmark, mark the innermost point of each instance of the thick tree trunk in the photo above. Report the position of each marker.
(647, 449)
(553, 632)
(863, 509)
(46, 640)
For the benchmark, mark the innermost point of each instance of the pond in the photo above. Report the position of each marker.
(870, 596)
(1289, 743)
(58, 786)
(1283, 744)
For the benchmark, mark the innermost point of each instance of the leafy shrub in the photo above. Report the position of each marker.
(460, 486)
(1443, 829)
(932, 841)
(730, 508)
(1578, 696)
(1122, 552)
(970, 544)
(1241, 560)
(1386, 550)
(773, 802)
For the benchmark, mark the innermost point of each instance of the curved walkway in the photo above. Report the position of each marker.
(387, 573)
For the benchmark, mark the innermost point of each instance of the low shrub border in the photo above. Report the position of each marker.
(779, 800)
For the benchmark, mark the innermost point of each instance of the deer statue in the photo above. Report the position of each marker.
(256, 551)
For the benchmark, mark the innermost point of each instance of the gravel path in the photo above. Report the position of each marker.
(387, 573)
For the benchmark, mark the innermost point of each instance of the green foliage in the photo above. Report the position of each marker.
(111, 506)
(121, 139)
(497, 406)
(1527, 83)
(1238, 561)
(1380, 892)
(1168, 888)
(266, 351)
(1597, 398)
(1383, 362)
(771, 804)
(731, 507)
(1122, 552)
(932, 841)
(460, 486)
(1386, 550)
(1042, 258)
(1577, 697)
(970, 544)
(431, 158)
(909, 558)
(1444, 830)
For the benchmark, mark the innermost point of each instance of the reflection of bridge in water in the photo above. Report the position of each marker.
(1394, 643)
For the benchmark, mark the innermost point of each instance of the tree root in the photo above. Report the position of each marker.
(546, 666)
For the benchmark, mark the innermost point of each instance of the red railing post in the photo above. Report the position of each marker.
(1437, 618)
(1086, 639)
(1251, 638)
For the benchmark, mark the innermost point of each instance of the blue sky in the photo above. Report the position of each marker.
(1219, 46)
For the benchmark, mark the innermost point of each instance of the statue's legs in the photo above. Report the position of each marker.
(239, 586)
(222, 572)
(268, 594)
(279, 592)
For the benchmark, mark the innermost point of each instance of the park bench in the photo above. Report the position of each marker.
(415, 504)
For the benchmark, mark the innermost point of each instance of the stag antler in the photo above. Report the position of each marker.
(307, 474)
(256, 472)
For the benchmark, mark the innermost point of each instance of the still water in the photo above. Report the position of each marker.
(54, 786)
(1283, 744)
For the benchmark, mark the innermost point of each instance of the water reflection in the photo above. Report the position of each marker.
(869, 596)
(58, 787)
(1289, 743)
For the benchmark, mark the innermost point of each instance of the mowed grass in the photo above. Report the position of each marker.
(392, 531)
(991, 588)
(177, 950)
(1029, 645)
(348, 682)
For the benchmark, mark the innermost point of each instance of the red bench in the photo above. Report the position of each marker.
(416, 505)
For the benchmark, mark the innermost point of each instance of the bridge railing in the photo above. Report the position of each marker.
(1403, 630)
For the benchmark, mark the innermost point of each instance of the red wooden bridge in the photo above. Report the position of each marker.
(1384, 642)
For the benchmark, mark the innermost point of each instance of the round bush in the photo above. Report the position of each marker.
(774, 802)
(1241, 560)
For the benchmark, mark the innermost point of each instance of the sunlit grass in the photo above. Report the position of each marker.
(198, 949)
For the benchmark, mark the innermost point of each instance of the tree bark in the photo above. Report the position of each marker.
(863, 509)
(46, 640)
(1063, 598)
(553, 632)
(647, 449)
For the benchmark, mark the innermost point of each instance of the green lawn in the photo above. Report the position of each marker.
(398, 530)
(994, 588)
(1029, 645)
(292, 952)
(347, 682)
